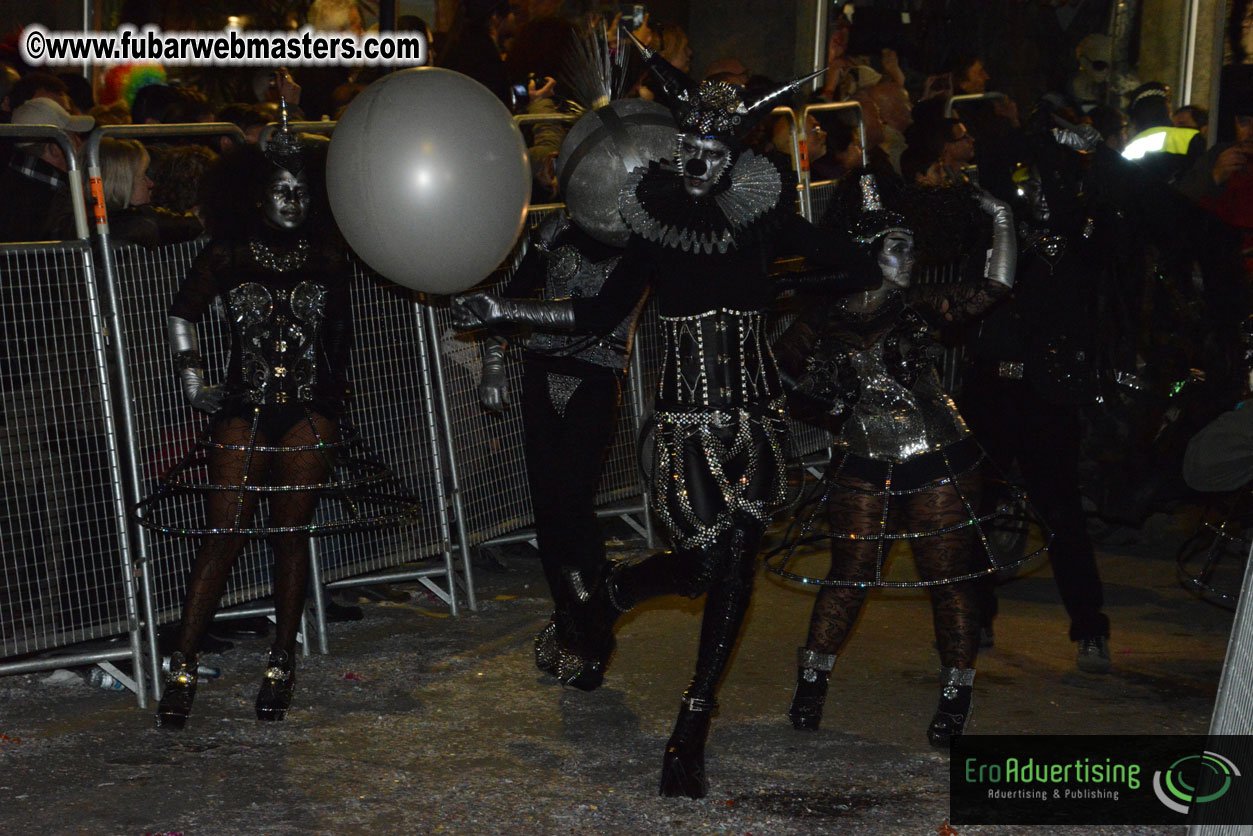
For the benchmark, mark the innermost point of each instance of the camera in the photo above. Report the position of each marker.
(632, 15)
(518, 94)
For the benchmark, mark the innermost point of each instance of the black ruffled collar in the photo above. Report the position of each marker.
(656, 207)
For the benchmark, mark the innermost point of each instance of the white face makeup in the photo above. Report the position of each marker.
(702, 162)
(285, 201)
(896, 259)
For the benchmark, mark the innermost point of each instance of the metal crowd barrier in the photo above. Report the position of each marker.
(955, 102)
(1233, 708)
(92, 415)
(66, 572)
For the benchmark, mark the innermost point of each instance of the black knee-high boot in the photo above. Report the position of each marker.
(683, 767)
(621, 587)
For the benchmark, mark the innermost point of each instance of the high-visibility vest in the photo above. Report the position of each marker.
(1167, 139)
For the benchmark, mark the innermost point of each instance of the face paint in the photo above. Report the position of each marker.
(702, 162)
(1031, 190)
(285, 201)
(896, 259)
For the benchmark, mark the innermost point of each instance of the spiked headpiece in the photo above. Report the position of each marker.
(712, 109)
(284, 149)
(870, 220)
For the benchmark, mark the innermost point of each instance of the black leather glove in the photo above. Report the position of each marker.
(475, 310)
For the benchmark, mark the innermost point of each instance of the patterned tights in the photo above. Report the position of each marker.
(235, 509)
(954, 607)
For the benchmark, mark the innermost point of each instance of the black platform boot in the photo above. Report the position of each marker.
(683, 767)
(956, 702)
(575, 660)
(576, 643)
(274, 698)
(813, 670)
(179, 691)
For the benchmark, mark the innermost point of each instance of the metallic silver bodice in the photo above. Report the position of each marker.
(277, 332)
(893, 423)
(717, 358)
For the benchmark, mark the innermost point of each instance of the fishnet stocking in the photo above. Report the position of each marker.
(235, 509)
(954, 606)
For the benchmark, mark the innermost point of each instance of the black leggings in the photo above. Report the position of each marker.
(565, 453)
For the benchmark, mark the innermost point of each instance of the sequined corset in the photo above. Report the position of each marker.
(276, 331)
(571, 276)
(892, 422)
(717, 358)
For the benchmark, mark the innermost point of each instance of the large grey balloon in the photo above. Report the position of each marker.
(598, 153)
(428, 179)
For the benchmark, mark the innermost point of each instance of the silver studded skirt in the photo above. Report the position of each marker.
(713, 466)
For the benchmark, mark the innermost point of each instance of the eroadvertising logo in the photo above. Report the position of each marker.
(1172, 788)
(1100, 779)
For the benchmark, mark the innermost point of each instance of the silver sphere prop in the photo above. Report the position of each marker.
(428, 179)
(599, 152)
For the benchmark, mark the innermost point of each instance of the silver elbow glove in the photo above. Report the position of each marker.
(1084, 138)
(494, 384)
(1003, 256)
(475, 310)
(189, 364)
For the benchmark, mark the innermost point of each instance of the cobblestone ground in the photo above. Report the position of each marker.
(421, 723)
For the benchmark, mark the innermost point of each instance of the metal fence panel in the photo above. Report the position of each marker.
(1233, 709)
(63, 579)
(164, 426)
(394, 409)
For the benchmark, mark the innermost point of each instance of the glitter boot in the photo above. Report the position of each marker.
(813, 670)
(683, 767)
(179, 691)
(956, 703)
(277, 685)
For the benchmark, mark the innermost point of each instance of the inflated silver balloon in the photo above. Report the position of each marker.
(601, 149)
(428, 179)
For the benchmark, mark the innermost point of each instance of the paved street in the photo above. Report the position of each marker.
(421, 723)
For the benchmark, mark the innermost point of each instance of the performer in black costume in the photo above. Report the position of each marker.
(1032, 364)
(571, 385)
(277, 429)
(1103, 246)
(704, 232)
(570, 396)
(863, 366)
